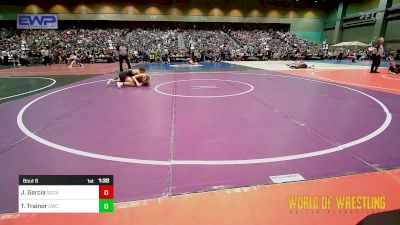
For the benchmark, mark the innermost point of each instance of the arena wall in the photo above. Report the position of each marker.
(393, 34)
(356, 6)
(360, 33)
(331, 15)
(356, 28)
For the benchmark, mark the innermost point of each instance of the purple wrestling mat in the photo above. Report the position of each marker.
(192, 132)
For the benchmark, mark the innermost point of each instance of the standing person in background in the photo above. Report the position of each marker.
(340, 56)
(46, 56)
(377, 54)
(59, 56)
(24, 60)
(15, 56)
(122, 49)
(4, 54)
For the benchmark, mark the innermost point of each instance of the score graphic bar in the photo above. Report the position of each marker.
(66, 193)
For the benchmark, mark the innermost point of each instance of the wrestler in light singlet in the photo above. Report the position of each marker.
(135, 77)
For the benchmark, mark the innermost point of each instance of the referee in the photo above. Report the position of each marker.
(123, 54)
(377, 55)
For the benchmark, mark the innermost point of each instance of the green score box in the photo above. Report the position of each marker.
(106, 205)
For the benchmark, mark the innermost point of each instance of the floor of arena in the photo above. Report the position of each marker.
(227, 128)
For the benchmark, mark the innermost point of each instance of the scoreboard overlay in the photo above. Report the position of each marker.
(66, 194)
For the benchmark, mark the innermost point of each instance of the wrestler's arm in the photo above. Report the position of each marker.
(134, 78)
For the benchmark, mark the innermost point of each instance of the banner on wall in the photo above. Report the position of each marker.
(37, 21)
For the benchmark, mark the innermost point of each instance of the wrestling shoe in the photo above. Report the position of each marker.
(109, 82)
(120, 84)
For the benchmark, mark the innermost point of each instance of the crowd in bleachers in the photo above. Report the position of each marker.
(208, 44)
(30, 44)
(143, 43)
(97, 45)
(276, 45)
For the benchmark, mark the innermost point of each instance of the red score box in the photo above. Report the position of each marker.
(106, 192)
